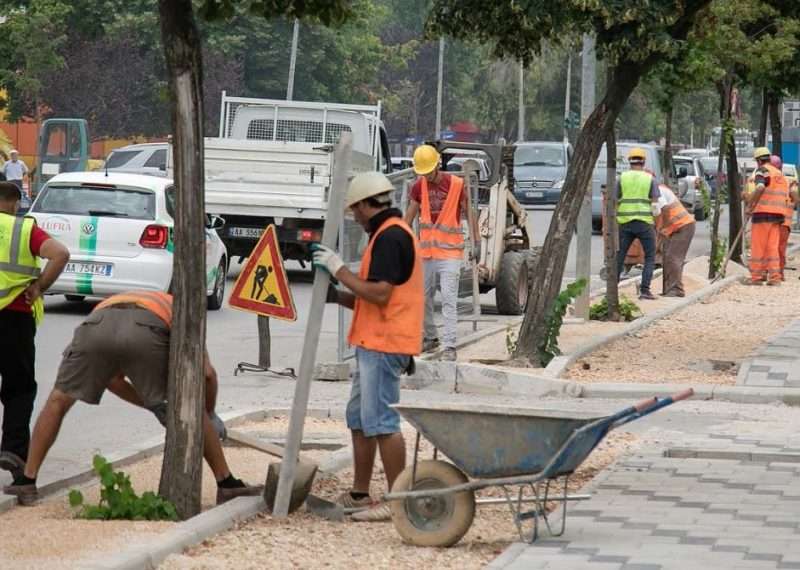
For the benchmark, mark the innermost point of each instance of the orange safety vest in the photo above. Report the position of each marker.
(775, 198)
(673, 217)
(395, 328)
(788, 217)
(158, 303)
(443, 239)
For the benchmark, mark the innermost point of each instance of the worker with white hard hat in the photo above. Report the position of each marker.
(387, 300)
(15, 169)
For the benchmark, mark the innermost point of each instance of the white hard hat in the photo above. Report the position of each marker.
(368, 185)
(14, 151)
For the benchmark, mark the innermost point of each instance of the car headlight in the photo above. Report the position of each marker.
(558, 184)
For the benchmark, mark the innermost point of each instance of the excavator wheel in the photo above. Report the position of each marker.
(513, 283)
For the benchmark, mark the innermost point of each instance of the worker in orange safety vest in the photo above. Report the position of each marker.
(767, 204)
(786, 228)
(677, 226)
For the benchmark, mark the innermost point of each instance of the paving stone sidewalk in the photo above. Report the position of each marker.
(777, 363)
(728, 499)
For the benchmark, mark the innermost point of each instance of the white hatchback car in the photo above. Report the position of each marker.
(119, 231)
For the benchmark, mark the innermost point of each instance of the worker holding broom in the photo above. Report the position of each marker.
(767, 206)
(387, 298)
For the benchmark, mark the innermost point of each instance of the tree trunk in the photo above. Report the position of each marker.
(264, 342)
(611, 229)
(548, 278)
(761, 140)
(734, 203)
(775, 124)
(181, 470)
(724, 88)
(668, 145)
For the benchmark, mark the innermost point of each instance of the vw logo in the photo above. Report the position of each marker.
(88, 228)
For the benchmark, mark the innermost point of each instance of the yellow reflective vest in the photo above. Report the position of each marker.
(18, 265)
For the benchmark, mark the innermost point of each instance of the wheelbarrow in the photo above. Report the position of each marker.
(433, 501)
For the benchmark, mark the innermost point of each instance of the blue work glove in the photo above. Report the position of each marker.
(325, 258)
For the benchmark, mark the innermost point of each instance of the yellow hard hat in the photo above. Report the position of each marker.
(426, 159)
(368, 185)
(761, 152)
(637, 154)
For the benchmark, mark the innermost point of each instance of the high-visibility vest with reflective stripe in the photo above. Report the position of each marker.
(158, 303)
(775, 198)
(673, 217)
(18, 265)
(443, 239)
(395, 328)
(635, 203)
(788, 217)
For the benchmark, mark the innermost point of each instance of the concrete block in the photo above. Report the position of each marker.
(332, 371)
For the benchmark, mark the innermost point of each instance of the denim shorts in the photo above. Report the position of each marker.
(376, 386)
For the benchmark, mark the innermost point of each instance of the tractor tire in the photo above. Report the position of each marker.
(513, 283)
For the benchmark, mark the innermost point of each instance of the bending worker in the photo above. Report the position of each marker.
(126, 335)
(786, 227)
(767, 204)
(677, 227)
(439, 200)
(387, 301)
(22, 284)
(637, 193)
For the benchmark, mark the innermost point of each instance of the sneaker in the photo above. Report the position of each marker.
(379, 513)
(225, 494)
(646, 296)
(27, 495)
(449, 354)
(348, 502)
(430, 344)
(12, 463)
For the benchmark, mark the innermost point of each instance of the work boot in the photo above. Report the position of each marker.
(646, 295)
(379, 513)
(347, 501)
(27, 494)
(449, 354)
(12, 463)
(236, 488)
(430, 344)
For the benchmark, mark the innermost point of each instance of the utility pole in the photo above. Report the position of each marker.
(567, 95)
(521, 128)
(293, 60)
(439, 90)
(583, 265)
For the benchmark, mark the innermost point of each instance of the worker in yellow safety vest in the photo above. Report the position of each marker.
(439, 200)
(22, 283)
(677, 226)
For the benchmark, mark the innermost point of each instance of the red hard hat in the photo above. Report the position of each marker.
(776, 161)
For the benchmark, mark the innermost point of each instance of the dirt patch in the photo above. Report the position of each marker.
(703, 343)
(305, 541)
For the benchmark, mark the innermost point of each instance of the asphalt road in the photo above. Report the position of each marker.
(231, 339)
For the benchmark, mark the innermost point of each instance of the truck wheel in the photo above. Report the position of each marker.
(513, 283)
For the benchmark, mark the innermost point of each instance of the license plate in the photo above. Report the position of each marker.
(534, 194)
(245, 232)
(103, 269)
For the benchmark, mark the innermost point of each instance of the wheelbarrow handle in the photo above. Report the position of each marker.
(642, 405)
(635, 414)
(682, 395)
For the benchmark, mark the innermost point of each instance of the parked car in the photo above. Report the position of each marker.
(652, 164)
(691, 179)
(694, 152)
(790, 172)
(714, 179)
(456, 164)
(540, 168)
(119, 231)
(402, 163)
(146, 158)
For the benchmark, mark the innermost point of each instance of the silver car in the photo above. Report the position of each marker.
(146, 158)
(691, 179)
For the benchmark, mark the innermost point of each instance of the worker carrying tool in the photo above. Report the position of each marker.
(126, 336)
(677, 226)
(440, 201)
(22, 283)
(767, 206)
(387, 299)
(637, 192)
(786, 227)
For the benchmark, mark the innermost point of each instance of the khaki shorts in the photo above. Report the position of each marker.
(117, 340)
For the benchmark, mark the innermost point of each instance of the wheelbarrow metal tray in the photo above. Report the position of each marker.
(495, 441)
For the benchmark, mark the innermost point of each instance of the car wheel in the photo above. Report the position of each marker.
(217, 297)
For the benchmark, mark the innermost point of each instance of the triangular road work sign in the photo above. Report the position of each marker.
(262, 286)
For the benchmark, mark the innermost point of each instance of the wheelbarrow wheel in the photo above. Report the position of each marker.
(433, 521)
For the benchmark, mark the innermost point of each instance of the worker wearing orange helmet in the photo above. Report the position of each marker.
(637, 194)
(441, 202)
(786, 228)
(767, 204)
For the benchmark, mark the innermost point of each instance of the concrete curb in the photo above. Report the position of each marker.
(559, 364)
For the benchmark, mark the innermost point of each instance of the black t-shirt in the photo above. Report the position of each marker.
(393, 251)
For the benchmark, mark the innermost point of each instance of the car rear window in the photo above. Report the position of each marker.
(131, 203)
(120, 158)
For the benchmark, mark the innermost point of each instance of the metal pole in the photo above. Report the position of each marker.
(293, 60)
(439, 90)
(342, 158)
(521, 129)
(567, 96)
(583, 265)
